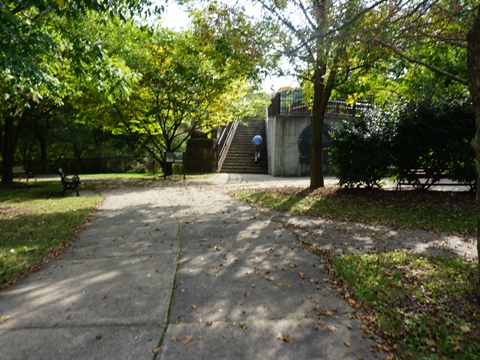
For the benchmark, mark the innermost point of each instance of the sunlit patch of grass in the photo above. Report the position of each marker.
(36, 221)
(372, 207)
(426, 303)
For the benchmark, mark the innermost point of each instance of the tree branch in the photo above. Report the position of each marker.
(419, 62)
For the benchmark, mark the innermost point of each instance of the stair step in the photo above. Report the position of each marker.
(239, 158)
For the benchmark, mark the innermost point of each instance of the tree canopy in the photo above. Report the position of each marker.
(197, 79)
(44, 55)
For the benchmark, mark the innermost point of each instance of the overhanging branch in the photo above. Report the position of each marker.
(422, 63)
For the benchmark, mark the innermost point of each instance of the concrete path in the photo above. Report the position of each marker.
(182, 271)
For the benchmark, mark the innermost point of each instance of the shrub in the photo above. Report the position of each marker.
(435, 137)
(360, 149)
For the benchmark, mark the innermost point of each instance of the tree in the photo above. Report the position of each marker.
(38, 57)
(473, 39)
(321, 40)
(193, 80)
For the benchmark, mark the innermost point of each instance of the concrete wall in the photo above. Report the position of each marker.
(283, 133)
(200, 156)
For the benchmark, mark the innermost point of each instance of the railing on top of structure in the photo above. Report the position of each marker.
(290, 102)
(224, 142)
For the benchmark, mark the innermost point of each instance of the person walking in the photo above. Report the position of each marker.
(257, 144)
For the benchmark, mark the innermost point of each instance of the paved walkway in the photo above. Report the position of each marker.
(182, 271)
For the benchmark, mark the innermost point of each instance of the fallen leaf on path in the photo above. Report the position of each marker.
(269, 278)
(353, 303)
(286, 338)
(326, 312)
(194, 306)
(332, 328)
(244, 326)
(98, 336)
(187, 340)
(208, 323)
(301, 274)
(4, 318)
(346, 343)
(157, 350)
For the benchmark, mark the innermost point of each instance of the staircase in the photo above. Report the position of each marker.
(240, 155)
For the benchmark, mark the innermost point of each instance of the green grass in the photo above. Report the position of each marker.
(423, 305)
(35, 222)
(415, 210)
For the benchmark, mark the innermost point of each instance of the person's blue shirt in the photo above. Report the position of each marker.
(257, 140)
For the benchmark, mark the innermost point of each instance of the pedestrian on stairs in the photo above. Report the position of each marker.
(257, 144)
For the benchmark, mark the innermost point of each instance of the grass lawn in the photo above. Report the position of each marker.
(423, 305)
(36, 222)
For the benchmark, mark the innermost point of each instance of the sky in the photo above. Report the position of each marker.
(176, 18)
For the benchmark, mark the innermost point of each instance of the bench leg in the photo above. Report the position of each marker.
(74, 188)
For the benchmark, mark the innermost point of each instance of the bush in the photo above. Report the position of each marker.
(360, 149)
(436, 138)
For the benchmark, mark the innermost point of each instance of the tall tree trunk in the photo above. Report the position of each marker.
(321, 96)
(43, 156)
(9, 143)
(473, 38)
(316, 143)
(168, 169)
(8, 151)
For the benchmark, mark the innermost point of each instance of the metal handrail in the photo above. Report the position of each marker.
(224, 142)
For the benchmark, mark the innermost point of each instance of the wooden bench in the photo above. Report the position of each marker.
(419, 180)
(19, 171)
(69, 182)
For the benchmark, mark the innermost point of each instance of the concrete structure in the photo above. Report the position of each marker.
(288, 131)
(283, 140)
(200, 156)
